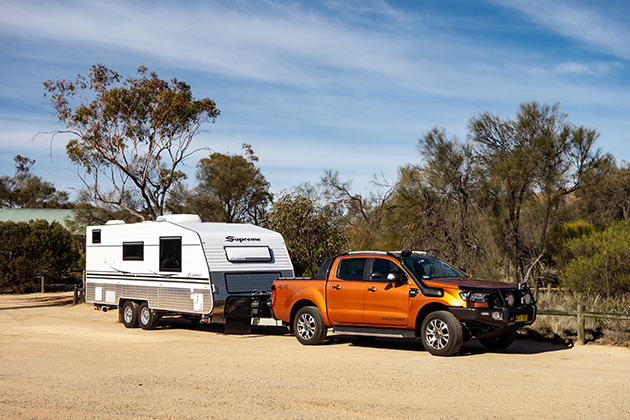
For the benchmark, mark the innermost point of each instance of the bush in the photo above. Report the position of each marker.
(310, 232)
(31, 250)
(599, 262)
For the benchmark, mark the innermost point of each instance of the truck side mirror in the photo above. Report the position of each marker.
(397, 277)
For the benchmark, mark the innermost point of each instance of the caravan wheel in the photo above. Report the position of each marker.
(130, 314)
(148, 319)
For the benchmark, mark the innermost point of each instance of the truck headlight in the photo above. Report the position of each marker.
(478, 297)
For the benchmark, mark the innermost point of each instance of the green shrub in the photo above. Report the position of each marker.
(32, 250)
(598, 262)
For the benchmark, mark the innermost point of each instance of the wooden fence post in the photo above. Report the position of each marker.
(580, 323)
(43, 289)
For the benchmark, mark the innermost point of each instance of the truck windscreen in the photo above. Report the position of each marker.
(427, 268)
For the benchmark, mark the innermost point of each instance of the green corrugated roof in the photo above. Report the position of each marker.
(25, 215)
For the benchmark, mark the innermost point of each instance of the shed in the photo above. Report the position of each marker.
(61, 216)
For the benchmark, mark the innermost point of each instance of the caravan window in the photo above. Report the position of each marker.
(171, 254)
(133, 251)
(248, 253)
(96, 236)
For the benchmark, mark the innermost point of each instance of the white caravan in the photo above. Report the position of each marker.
(177, 265)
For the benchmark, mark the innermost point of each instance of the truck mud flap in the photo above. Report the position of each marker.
(238, 318)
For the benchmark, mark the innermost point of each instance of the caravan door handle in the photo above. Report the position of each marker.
(336, 287)
(371, 289)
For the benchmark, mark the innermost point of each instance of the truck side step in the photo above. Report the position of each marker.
(375, 332)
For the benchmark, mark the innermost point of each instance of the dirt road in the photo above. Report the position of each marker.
(70, 362)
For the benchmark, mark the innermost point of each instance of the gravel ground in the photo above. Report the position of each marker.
(59, 361)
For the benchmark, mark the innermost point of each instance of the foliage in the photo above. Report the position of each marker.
(131, 137)
(31, 250)
(562, 233)
(25, 190)
(364, 216)
(429, 218)
(311, 233)
(599, 262)
(609, 198)
(231, 189)
(444, 195)
(538, 155)
(90, 213)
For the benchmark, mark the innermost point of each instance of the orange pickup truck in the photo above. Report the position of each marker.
(402, 294)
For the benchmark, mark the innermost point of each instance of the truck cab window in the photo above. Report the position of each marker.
(381, 268)
(171, 254)
(351, 269)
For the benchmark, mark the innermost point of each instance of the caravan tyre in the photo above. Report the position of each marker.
(309, 326)
(147, 318)
(130, 314)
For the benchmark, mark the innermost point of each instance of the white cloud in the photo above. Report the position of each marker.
(580, 21)
(269, 42)
(599, 69)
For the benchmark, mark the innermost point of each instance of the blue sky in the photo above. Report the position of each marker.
(315, 85)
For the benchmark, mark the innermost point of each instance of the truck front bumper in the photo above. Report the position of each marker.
(498, 317)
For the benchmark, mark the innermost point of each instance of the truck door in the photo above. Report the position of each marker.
(386, 303)
(344, 291)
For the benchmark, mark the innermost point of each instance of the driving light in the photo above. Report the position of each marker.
(497, 316)
(527, 299)
(510, 299)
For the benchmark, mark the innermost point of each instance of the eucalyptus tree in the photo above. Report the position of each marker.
(312, 232)
(230, 189)
(129, 137)
(26, 190)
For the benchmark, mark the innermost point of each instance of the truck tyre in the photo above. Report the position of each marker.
(309, 326)
(442, 333)
(499, 342)
(147, 318)
(130, 314)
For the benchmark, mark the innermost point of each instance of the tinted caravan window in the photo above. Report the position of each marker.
(248, 253)
(133, 251)
(171, 254)
(96, 236)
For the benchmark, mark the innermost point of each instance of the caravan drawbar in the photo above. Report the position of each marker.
(178, 265)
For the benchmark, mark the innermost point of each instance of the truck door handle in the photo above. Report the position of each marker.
(336, 287)
(371, 289)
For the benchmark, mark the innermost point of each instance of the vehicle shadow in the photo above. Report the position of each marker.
(187, 324)
(522, 345)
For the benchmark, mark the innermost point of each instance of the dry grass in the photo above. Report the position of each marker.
(564, 328)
